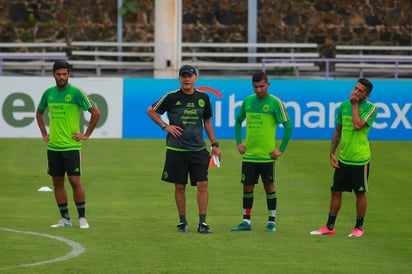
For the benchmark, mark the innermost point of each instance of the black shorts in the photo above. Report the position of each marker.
(252, 171)
(351, 177)
(179, 164)
(61, 162)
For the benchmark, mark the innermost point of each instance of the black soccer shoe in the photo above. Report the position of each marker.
(204, 228)
(182, 227)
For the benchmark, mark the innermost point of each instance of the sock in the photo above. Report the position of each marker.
(359, 222)
(202, 218)
(182, 218)
(271, 201)
(246, 215)
(64, 211)
(247, 205)
(81, 209)
(331, 220)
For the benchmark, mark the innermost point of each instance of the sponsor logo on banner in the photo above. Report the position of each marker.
(311, 104)
(19, 97)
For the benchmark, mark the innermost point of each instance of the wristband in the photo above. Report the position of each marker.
(215, 144)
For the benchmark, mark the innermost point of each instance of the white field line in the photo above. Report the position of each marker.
(77, 249)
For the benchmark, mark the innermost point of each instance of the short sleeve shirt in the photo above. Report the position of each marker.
(64, 112)
(188, 112)
(262, 118)
(355, 148)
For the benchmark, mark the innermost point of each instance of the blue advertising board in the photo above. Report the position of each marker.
(311, 104)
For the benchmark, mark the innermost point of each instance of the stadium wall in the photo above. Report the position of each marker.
(327, 23)
(312, 105)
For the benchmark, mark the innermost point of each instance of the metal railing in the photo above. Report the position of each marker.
(38, 54)
(40, 57)
(328, 61)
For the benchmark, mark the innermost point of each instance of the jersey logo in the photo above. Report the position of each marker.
(201, 103)
(68, 98)
(178, 103)
(265, 108)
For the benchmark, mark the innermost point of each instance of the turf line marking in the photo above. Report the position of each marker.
(77, 249)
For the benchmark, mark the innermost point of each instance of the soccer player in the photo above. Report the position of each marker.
(353, 121)
(65, 103)
(263, 112)
(189, 111)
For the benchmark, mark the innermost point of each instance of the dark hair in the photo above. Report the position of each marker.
(366, 83)
(60, 64)
(259, 76)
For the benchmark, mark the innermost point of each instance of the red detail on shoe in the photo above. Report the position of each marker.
(356, 232)
(323, 231)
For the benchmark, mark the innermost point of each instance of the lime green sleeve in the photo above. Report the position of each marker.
(238, 131)
(286, 135)
(240, 117)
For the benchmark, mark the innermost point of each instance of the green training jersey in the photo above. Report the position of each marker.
(262, 118)
(355, 144)
(64, 112)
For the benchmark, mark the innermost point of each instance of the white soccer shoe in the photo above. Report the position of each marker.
(63, 223)
(83, 223)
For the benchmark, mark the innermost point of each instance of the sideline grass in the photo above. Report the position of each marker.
(133, 216)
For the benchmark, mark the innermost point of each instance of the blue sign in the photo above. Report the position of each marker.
(311, 104)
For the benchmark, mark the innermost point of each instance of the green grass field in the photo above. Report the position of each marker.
(133, 217)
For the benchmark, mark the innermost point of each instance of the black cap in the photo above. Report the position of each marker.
(187, 69)
(60, 64)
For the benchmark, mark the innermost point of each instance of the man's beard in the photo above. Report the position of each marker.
(61, 83)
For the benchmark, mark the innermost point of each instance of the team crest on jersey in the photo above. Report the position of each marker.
(68, 98)
(265, 108)
(201, 103)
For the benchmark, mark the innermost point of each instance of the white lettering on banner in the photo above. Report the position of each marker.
(401, 116)
(316, 117)
(319, 115)
(232, 107)
(332, 113)
(385, 114)
(297, 112)
(218, 113)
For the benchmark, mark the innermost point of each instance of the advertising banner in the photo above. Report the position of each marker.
(311, 104)
(19, 97)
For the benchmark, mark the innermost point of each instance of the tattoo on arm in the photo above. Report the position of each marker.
(335, 139)
(335, 143)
